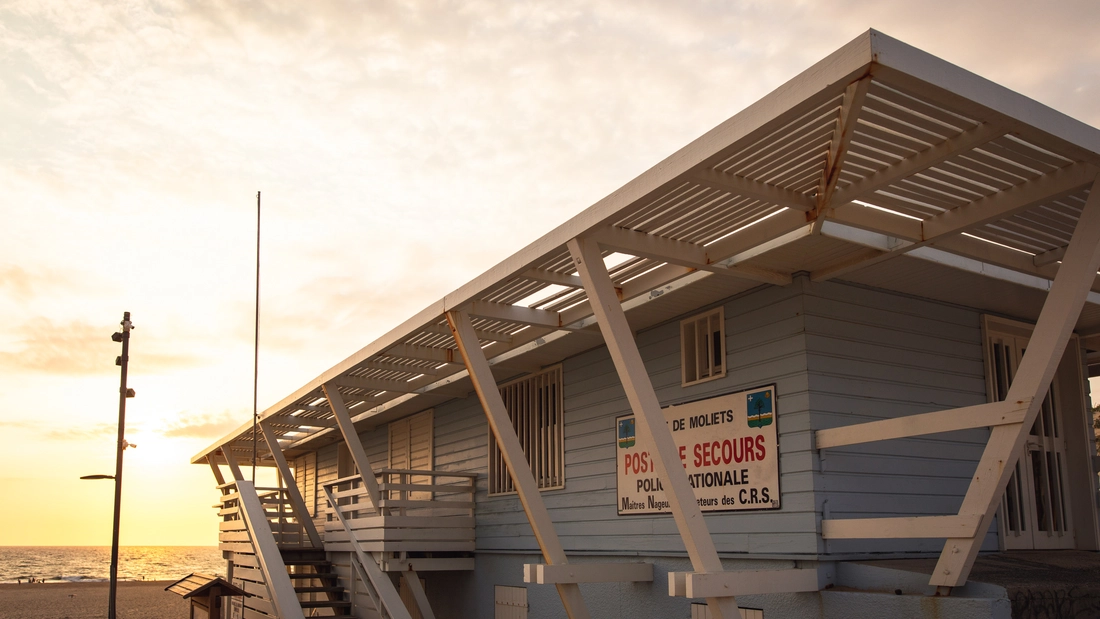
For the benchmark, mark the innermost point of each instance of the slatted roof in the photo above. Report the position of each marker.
(880, 165)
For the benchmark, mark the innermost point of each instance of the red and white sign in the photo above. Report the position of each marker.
(727, 444)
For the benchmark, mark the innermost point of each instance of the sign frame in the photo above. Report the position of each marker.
(775, 505)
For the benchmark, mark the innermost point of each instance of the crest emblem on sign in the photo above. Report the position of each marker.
(760, 409)
(626, 433)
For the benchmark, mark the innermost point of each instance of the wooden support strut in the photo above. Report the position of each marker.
(412, 581)
(296, 499)
(355, 446)
(234, 468)
(268, 557)
(1037, 368)
(647, 412)
(501, 426)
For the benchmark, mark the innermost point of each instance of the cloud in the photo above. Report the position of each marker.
(23, 284)
(15, 281)
(84, 432)
(203, 425)
(78, 348)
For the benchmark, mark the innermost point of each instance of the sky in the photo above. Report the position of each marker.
(401, 148)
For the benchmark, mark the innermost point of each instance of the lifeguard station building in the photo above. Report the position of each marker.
(823, 361)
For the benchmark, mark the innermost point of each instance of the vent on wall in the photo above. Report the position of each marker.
(534, 406)
(511, 602)
(702, 611)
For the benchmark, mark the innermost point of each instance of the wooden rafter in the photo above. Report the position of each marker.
(651, 424)
(938, 230)
(741, 186)
(512, 451)
(682, 253)
(854, 96)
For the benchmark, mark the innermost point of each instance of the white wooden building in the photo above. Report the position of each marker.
(794, 345)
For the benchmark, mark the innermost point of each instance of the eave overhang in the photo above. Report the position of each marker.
(880, 165)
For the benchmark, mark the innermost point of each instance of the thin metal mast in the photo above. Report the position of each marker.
(256, 348)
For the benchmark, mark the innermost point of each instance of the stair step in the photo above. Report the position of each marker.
(314, 575)
(326, 604)
(339, 590)
(320, 562)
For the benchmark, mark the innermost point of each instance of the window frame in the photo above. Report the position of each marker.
(689, 348)
(552, 439)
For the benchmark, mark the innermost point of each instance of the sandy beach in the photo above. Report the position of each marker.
(88, 600)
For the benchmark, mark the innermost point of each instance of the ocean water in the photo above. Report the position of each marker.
(93, 563)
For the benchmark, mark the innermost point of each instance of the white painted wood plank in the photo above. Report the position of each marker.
(1037, 368)
(854, 97)
(904, 527)
(709, 585)
(388, 595)
(978, 416)
(297, 502)
(647, 412)
(267, 554)
(412, 581)
(355, 446)
(587, 572)
(743, 186)
(512, 452)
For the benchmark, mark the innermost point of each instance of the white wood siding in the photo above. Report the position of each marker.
(837, 353)
(877, 355)
(764, 345)
(305, 476)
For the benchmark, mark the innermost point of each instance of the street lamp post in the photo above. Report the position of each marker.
(123, 393)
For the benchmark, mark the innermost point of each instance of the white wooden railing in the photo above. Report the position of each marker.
(252, 522)
(285, 525)
(418, 511)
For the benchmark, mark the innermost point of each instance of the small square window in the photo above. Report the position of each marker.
(703, 347)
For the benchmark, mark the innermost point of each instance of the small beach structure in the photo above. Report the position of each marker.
(206, 593)
(853, 322)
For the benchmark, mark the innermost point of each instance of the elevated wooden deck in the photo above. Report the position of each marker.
(423, 519)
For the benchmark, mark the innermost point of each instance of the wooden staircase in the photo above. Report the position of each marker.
(312, 574)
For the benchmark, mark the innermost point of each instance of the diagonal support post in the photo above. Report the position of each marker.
(518, 467)
(1037, 368)
(854, 95)
(296, 499)
(355, 446)
(231, 462)
(647, 411)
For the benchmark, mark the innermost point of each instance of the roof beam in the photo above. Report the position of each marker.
(487, 336)
(854, 96)
(378, 384)
(742, 186)
(1049, 257)
(682, 253)
(401, 367)
(973, 254)
(427, 353)
(309, 408)
(1010, 201)
(514, 313)
(916, 234)
(304, 422)
(967, 140)
(553, 277)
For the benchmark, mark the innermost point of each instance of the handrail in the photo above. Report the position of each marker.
(367, 566)
(429, 473)
(268, 557)
(399, 494)
(277, 508)
(425, 473)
